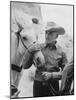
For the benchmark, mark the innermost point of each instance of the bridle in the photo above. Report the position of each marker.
(18, 35)
(27, 48)
(16, 68)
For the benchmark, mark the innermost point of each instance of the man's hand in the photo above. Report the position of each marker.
(46, 75)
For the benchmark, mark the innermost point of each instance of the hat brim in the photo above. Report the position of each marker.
(59, 30)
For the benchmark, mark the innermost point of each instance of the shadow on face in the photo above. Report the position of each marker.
(51, 36)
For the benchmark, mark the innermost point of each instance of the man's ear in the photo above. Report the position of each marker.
(55, 41)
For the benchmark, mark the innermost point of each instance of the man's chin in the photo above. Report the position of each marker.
(48, 42)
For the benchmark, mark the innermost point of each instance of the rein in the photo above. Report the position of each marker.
(23, 43)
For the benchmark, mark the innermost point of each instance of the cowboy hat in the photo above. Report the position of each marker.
(53, 27)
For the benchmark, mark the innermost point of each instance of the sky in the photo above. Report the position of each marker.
(61, 14)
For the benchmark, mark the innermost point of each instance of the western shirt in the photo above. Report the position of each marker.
(55, 59)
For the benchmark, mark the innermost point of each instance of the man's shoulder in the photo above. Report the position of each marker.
(61, 51)
(59, 48)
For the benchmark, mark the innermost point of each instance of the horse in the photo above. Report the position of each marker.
(67, 81)
(25, 51)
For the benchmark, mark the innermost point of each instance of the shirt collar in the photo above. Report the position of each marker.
(51, 46)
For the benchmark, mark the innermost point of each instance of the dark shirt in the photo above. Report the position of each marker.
(54, 58)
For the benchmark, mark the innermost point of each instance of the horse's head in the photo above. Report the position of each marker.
(29, 49)
(26, 40)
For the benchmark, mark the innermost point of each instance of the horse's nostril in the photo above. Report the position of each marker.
(38, 61)
(24, 38)
(34, 42)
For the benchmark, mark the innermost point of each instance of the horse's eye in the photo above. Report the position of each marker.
(24, 38)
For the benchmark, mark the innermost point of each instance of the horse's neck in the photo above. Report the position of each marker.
(15, 56)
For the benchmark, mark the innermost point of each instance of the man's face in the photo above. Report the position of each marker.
(50, 37)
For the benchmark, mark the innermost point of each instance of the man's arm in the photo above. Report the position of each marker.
(63, 61)
(52, 75)
(56, 75)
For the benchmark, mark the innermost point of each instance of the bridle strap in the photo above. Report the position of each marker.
(18, 35)
(25, 45)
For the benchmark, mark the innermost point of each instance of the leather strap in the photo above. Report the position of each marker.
(16, 68)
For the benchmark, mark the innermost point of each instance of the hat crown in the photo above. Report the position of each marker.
(53, 27)
(51, 24)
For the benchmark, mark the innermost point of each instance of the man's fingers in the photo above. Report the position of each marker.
(45, 78)
(43, 73)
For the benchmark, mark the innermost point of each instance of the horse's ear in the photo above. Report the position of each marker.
(20, 27)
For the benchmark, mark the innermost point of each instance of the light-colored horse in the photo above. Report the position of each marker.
(24, 52)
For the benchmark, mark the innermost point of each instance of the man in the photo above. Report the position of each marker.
(46, 81)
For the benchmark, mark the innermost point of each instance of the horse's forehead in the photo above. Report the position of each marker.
(29, 33)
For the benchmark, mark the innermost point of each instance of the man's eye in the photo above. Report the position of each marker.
(47, 32)
(24, 38)
(57, 35)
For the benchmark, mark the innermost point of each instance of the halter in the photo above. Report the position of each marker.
(18, 35)
(13, 66)
(25, 45)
